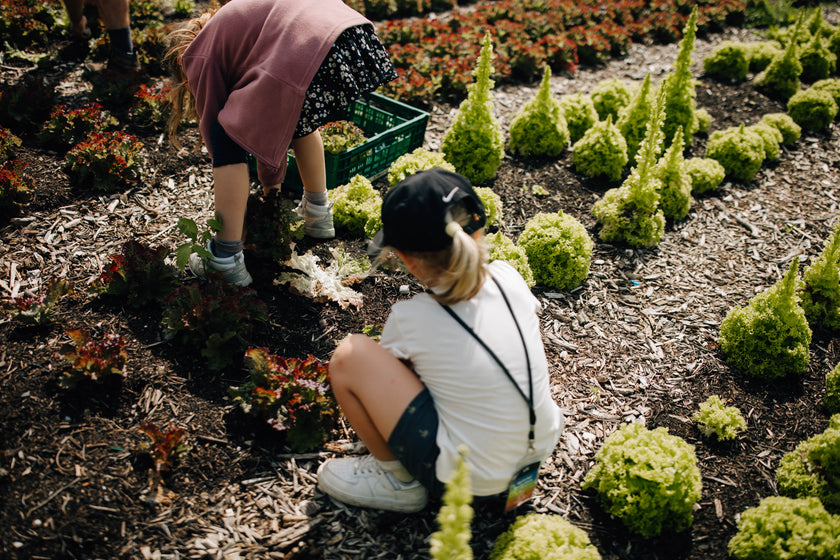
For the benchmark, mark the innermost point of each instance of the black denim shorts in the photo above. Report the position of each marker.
(414, 441)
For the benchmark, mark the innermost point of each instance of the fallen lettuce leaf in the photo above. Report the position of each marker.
(326, 284)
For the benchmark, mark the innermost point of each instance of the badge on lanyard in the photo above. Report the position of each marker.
(524, 481)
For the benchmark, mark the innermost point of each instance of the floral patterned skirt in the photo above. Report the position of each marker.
(356, 64)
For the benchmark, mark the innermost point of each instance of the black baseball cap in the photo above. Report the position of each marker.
(414, 211)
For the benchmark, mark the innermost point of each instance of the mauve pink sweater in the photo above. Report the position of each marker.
(249, 68)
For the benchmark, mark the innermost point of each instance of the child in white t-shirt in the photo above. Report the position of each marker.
(461, 364)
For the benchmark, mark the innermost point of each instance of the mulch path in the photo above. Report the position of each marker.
(636, 342)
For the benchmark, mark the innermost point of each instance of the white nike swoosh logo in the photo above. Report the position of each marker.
(448, 197)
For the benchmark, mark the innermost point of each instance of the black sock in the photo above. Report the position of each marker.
(121, 40)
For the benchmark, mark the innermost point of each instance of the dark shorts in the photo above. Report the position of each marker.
(414, 441)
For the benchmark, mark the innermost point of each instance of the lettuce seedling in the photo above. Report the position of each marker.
(474, 143)
(784, 124)
(647, 478)
(493, 206)
(291, 395)
(357, 206)
(674, 183)
(812, 469)
(67, 127)
(631, 213)
(452, 540)
(703, 119)
(812, 109)
(817, 61)
(831, 85)
(138, 275)
(165, 448)
(340, 136)
(739, 150)
(8, 144)
(106, 160)
(559, 250)
(417, 160)
(831, 399)
(713, 418)
(771, 137)
(781, 528)
(706, 174)
(819, 290)
(780, 80)
(678, 85)
(579, 112)
(543, 536)
(601, 152)
(272, 225)
(501, 248)
(770, 337)
(728, 61)
(633, 119)
(610, 96)
(100, 361)
(539, 127)
(37, 310)
(761, 53)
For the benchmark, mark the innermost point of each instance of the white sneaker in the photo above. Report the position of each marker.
(361, 481)
(231, 268)
(317, 219)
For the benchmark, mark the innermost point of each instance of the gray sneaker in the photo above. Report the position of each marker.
(232, 269)
(317, 219)
(361, 481)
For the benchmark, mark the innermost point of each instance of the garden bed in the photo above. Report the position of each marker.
(637, 341)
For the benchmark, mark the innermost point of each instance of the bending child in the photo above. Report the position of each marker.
(460, 364)
(261, 75)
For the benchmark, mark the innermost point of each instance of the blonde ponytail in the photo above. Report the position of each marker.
(182, 99)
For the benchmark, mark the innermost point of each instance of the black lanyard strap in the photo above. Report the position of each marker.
(529, 400)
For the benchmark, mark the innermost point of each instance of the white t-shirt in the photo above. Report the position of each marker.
(476, 403)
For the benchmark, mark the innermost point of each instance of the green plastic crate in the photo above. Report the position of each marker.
(392, 128)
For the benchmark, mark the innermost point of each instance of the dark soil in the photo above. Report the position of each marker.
(636, 342)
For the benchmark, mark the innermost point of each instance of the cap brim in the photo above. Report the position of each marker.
(376, 244)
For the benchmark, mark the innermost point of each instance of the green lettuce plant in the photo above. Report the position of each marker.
(716, 419)
(293, 396)
(539, 127)
(474, 143)
(539, 536)
(610, 96)
(678, 85)
(761, 53)
(831, 85)
(706, 174)
(770, 337)
(340, 136)
(812, 469)
(674, 183)
(579, 112)
(630, 213)
(784, 124)
(493, 206)
(819, 289)
(646, 478)
(728, 61)
(417, 160)
(559, 250)
(812, 109)
(501, 248)
(357, 206)
(703, 119)
(771, 138)
(817, 61)
(601, 152)
(781, 528)
(633, 119)
(831, 399)
(214, 319)
(452, 539)
(740, 151)
(780, 80)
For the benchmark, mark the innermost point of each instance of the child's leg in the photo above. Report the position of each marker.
(309, 156)
(373, 388)
(231, 190)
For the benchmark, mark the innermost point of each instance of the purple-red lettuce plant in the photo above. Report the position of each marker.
(37, 309)
(15, 185)
(91, 360)
(139, 275)
(164, 447)
(67, 126)
(106, 160)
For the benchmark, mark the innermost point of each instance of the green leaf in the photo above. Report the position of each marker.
(189, 228)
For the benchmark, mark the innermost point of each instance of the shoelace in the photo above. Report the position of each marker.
(367, 464)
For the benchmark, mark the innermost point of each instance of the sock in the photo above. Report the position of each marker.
(319, 198)
(223, 249)
(121, 40)
(397, 469)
